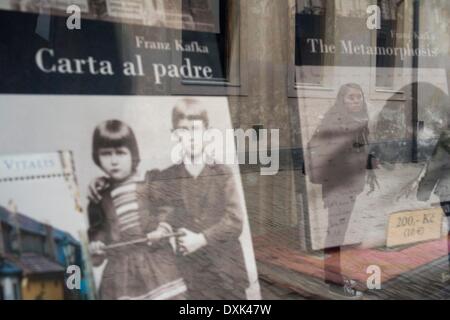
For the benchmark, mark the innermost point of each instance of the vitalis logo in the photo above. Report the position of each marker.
(21, 165)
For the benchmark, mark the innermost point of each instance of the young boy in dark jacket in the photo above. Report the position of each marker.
(209, 213)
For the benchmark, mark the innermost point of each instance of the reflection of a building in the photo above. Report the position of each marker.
(198, 15)
(34, 258)
(390, 90)
(348, 8)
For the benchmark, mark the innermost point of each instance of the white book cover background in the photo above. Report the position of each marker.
(39, 124)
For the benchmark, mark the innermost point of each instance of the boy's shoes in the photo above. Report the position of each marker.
(346, 292)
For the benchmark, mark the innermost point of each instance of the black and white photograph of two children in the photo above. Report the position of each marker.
(163, 219)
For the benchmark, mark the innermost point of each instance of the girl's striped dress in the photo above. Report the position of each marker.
(135, 271)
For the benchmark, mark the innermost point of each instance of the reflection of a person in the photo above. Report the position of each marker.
(339, 157)
(395, 127)
(394, 131)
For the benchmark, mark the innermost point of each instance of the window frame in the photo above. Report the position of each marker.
(328, 89)
(236, 84)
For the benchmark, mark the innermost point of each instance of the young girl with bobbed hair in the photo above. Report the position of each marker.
(128, 212)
